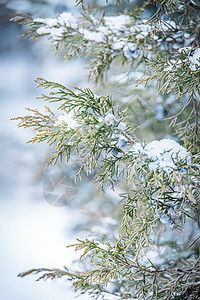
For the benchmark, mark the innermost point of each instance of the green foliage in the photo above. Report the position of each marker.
(90, 137)
(161, 197)
(112, 264)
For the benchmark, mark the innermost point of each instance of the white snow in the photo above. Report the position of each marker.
(48, 21)
(118, 45)
(43, 30)
(57, 33)
(122, 126)
(51, 22)
(109, 118)
(103, 29)
(163, 154)
(195, 60)
(141, 27)
(55, 26)
(67, 19)
(170, 66)
(116, 23)
(141, 30)
(92, 35)
(111, 23)
(130, 51)
(141, 35)
(66, 119)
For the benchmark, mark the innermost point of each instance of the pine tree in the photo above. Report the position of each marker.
(149, 58)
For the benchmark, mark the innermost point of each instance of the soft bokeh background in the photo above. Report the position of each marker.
(32, 232)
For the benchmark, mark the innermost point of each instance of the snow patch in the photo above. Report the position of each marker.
(66, 119)
(116, 23)
(163, 154)
(92, 35)
(195, 60)
(67, 19)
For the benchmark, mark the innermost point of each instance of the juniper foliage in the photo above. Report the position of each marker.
(161, 202)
